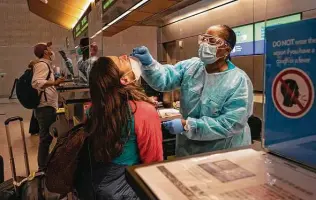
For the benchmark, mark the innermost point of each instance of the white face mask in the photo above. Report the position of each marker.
(93, 59)
(52, 57)
(136, 67)
(208, 53)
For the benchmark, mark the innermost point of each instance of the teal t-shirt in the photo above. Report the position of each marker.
(130, 154)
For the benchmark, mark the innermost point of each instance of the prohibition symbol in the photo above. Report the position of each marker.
(293, 93)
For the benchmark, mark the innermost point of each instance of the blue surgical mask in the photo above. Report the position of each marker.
(207, 53)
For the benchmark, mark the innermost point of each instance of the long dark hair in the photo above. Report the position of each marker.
(110, 112)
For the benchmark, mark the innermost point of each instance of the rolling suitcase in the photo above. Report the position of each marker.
(1, 170)
(30, 188)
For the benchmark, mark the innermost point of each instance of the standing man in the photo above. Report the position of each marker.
(34, 128)
(89, 56)
(216, 96)
(83, 65)
(92, 59)
(44, 81)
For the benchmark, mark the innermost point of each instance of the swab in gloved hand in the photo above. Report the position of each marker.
(143, 54)
(174, 126)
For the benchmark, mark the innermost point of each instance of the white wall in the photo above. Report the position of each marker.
(20, 31)
(238, 13)
(124, 42)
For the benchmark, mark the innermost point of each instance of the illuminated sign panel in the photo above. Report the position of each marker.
(106, 4)
(250, 38)
(81, 26)
(113, 9)
(260, 30)
(244, 43)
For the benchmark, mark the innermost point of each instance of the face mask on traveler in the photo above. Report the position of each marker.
(136, 67)
(79, 52)
(52, 56)
(207, 53)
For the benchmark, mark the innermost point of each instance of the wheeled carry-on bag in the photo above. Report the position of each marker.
(1, 170)
(30, 188)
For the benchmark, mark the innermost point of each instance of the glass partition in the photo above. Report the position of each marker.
(68, 63)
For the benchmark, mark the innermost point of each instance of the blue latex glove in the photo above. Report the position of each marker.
(174, 126)
(143, 54)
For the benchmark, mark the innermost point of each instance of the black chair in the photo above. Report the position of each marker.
(255, 124)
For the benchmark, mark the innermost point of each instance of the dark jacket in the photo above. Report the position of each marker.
(102, 181)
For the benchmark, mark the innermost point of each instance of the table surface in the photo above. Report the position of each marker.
(144, 192)
(164, 119)
(75, 97)
(71, 86)
(169, 117)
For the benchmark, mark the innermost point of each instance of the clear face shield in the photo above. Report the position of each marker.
(212, 48)
(213, 40)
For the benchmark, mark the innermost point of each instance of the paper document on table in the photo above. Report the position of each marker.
(239, 175)
(168, 112)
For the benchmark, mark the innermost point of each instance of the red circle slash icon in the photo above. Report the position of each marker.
(288, 89)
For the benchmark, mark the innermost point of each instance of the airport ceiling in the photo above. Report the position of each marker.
(62, 12)
(67, 12)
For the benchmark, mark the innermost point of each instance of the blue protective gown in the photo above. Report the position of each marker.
(85, 68)
(216, 106)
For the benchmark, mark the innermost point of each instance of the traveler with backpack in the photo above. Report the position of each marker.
(34, 128)
(44, 82)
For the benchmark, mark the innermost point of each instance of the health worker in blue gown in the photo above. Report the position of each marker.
(216, 96)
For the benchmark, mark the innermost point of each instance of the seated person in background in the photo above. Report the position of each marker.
(124, 129)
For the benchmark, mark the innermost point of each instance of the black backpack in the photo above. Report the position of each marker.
(26, 94)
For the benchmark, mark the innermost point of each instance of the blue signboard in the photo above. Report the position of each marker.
(290, 110)
(260, 29)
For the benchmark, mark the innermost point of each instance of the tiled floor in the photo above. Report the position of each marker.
(10, 109)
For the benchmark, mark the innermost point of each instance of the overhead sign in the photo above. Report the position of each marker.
(293, 93)
(113, 9)
(290, 108)
(81, 27)
(260, 29)
(106, 4)
(244, 43)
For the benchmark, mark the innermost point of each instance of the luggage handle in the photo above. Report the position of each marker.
(12, 119)
(26, 160)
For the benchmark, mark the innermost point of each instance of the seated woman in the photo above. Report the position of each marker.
(124, 130)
